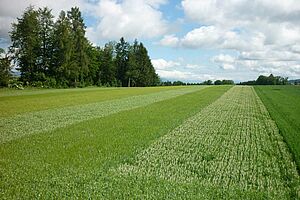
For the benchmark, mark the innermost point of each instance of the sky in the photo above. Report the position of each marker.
(190, 40)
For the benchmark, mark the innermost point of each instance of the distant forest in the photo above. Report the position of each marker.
(58, 54)
(268, 80)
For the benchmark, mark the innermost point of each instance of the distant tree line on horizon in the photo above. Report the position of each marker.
(267, 80)
(58, 54)
(261, 80)
(207, 82)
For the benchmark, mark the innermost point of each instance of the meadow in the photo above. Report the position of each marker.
(200, 142)
(283, 103)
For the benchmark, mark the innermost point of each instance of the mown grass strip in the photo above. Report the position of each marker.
(230, 150)
(283, 104)
(30, 100)
(46, 120)
(73, 162)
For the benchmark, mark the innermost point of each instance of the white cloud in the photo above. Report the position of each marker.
(163, 64)
(205, 36)
(237, 12)
(169, 40)
(188, 76)
(260, 63)
(192, 66)
(213, 37)
(113, 18)
(174, 74)
(11, 9)
(226, 62)
(265, 33)
(180, 70)
(129, 18)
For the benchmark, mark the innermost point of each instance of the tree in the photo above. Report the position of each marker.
(26, 45)
(94, 55)
(262, 80)
(133, 72)
(121, 61)
(207, 82)
(45, 20)
(62, 50)
(79, 57)
(59, 54)
(5, 68)
(148, 77)
(268, 80)
(227, 82)
(218, 82)
(140, 69)
(175, 83)
(107, 73)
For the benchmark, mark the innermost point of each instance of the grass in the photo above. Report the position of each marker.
(13, 102)
(46, 120)
(283, 104)
(76, 161)
(230, 150)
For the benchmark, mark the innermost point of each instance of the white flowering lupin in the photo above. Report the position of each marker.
(231, 148)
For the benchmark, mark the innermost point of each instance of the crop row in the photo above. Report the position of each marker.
(231, 147)
(47, 120)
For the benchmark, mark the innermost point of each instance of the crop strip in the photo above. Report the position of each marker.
(46, 120)
(230, 148)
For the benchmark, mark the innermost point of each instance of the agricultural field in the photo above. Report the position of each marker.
(283, 104)
(200, 142)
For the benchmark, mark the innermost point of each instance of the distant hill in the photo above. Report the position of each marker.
(296, 81)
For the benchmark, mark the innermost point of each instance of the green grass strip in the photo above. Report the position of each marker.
(230, 150)
(73, 162)
(30, 100)
(46, 120)
(283, 104)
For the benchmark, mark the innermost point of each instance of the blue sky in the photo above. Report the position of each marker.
(191, 40)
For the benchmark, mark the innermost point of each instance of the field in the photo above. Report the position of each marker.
(201, 142)
(283, 103)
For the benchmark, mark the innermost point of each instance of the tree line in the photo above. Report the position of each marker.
(218, 82)
(268, 80)
(207, 82)
(58, 54)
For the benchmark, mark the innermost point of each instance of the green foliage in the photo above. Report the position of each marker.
(178, 83)
(283, 104)
(207, 82)
(218, 82)
(79, 57)
(268, 80)
(121, 60)
(107, 72)
(140, 69)
(5, 68)
(45, 22)
(224, 82)
(15, 83)
(43, 49)
(26, 44)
